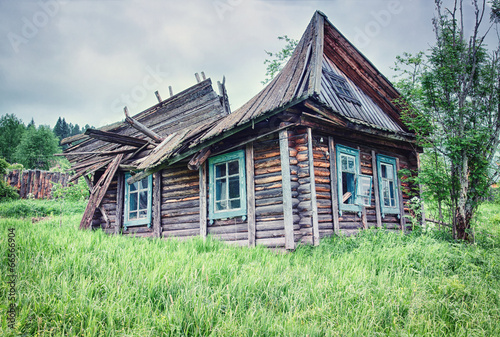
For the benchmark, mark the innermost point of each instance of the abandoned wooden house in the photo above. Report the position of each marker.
(316, 152)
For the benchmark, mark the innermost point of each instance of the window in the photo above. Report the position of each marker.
(387, 178)
(138, 198)
(364, 191)
(347, 170)
(227, 186)
(341, 87)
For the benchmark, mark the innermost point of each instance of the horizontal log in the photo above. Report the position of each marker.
(180, 195)
(180, 218)
(268, 178)
(271, 242)
(179, 226)
(179, 179)
(350, 225)
(180, 233)
(166, 206)
(231, 236)
(260, 156)
(268, 210)
(191, 185)
(241, 228)
(138, 229)
(269, 234)
(267, 163)
(180, 212)
(267, 170)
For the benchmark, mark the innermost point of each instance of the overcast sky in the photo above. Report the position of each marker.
(85, 60)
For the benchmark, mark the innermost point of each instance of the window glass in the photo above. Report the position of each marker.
(138, 202)
(388, 184)
(227, 177)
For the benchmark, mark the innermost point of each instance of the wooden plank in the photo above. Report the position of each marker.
(318, 54)
(199, 158)
(157, 204)
(363, 218)
(203, 200)
(112, 137)
(314, 206)
(402, 218)
(287, 190)
(376, 190)
(142, 128)
(99, 191)
(250, 176)
(333, 185)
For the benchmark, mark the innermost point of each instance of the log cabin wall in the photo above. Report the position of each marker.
(304, 205)
(108, 204)
(270, 230)
(324, 197)
(180, 202)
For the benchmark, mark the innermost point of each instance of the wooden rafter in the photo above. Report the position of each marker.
(112, 137)
(98, 192)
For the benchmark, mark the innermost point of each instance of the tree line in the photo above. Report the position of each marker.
(33, 146)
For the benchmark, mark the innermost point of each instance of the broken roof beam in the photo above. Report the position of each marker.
(142, 128)
(116, 138)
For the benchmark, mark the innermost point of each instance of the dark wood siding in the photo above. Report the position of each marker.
(180, 207)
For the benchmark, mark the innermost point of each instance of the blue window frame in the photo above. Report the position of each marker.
(227, 186)
(138, 200)
(388, 185)
(347, 176)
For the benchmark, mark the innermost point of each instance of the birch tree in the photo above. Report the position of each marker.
(455, 105)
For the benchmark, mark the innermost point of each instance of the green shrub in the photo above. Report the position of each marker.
(7, 192)
(78, 191)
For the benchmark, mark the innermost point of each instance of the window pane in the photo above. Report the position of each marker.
(385, 193)
(235, 204)
(391, 191)
(351, 164)
(233, 167)
(143, 200)
(390, 172)
(132, 215)
(220, 170)
(132, 202)
(144, 183)
(383, 169)
(348, 187)
(234, 187)
(133, 187)
(344, 162)
(220, 189)
(220, 205)
(143, 214)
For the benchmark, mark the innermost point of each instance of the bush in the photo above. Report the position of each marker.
(78, 191)
(7, 192)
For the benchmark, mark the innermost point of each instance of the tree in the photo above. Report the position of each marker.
(37, 148)
(278, 60)
(454, 107)
(11, 132)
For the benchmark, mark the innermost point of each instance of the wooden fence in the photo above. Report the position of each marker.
(35, 183)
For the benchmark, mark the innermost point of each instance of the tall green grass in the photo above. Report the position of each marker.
(73, 282)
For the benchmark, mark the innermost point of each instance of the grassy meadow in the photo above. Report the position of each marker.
(80, 283)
